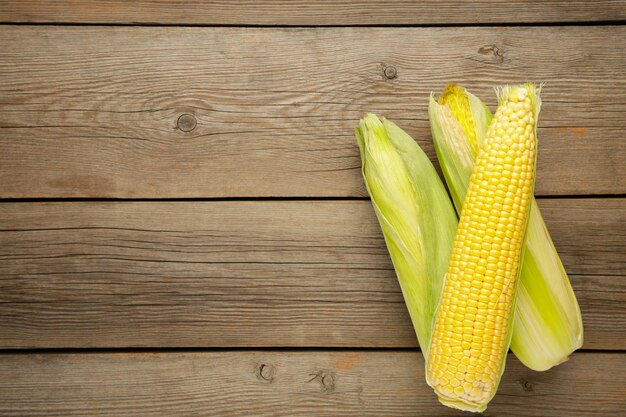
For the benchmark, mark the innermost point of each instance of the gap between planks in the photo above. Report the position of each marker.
(311, 13)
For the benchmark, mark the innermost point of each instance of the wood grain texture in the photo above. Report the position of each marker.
(96, 111)
(252, 383)
(317, 12)
(250, 273)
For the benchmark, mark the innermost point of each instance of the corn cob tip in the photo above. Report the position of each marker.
(450, 92)
(468, 111)
(519, 93)
(456, 99)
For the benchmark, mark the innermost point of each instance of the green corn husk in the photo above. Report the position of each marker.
(415, 214)
(547, 325)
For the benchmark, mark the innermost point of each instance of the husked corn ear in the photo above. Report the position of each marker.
(472, 333)
(547, 326)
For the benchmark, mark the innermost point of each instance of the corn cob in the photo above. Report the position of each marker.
(547, 326)
(415, 214)
(472, 333)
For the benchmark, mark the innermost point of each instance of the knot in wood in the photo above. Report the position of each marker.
(325, 379)
(265, 372)
(390, 72)
(186, 122)
(494, 50)
(526, 385)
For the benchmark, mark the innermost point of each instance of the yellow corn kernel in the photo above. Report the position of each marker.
(495, 287)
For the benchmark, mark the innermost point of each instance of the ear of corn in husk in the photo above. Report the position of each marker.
(474, 320)
(547, 326)
(415, 214)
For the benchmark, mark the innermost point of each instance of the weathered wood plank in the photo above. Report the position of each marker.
(261, 273)
(96, 111)
(317, 12)
(258, 383)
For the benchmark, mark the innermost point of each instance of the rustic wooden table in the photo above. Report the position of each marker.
(183, 225)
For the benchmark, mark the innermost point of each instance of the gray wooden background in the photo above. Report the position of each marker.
(183, 225)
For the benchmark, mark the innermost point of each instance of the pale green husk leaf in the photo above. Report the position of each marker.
(415, 214)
